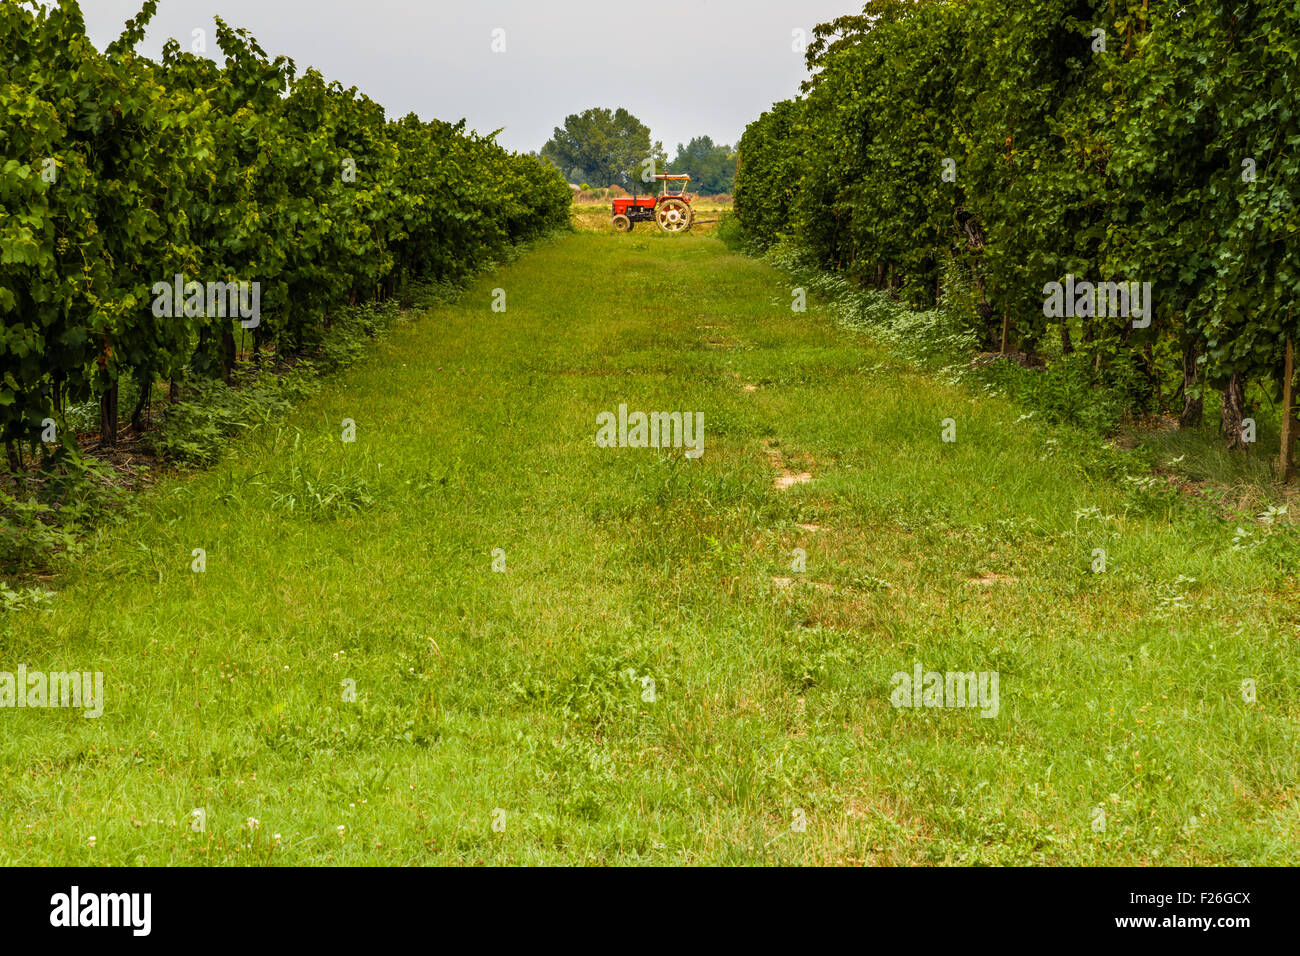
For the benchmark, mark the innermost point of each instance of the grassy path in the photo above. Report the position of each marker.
(519, 697)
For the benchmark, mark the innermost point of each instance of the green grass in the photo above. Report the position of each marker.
(522, 691)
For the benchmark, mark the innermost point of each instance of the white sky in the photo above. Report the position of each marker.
(683, 67)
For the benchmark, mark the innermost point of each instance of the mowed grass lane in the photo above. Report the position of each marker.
(519, 697)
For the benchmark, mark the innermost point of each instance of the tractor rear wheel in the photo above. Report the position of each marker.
(622, 223)
(674, 215)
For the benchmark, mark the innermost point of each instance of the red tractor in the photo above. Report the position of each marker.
(671, 208)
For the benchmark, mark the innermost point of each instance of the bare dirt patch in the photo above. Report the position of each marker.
(789, 582)
(790, 478)
(787, 477)
(988, 580)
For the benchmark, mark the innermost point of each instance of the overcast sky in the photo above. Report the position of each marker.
(683, 67)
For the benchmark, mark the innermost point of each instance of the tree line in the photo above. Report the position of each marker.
(120, 175)
(1054, 145)
(603, 147)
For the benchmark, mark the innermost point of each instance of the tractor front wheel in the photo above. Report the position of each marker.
(622, 223)
(674, 215)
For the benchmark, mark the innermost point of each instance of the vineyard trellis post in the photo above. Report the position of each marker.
(1290, 418)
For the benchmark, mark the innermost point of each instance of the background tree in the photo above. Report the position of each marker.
(712, 166)
(604, 148)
